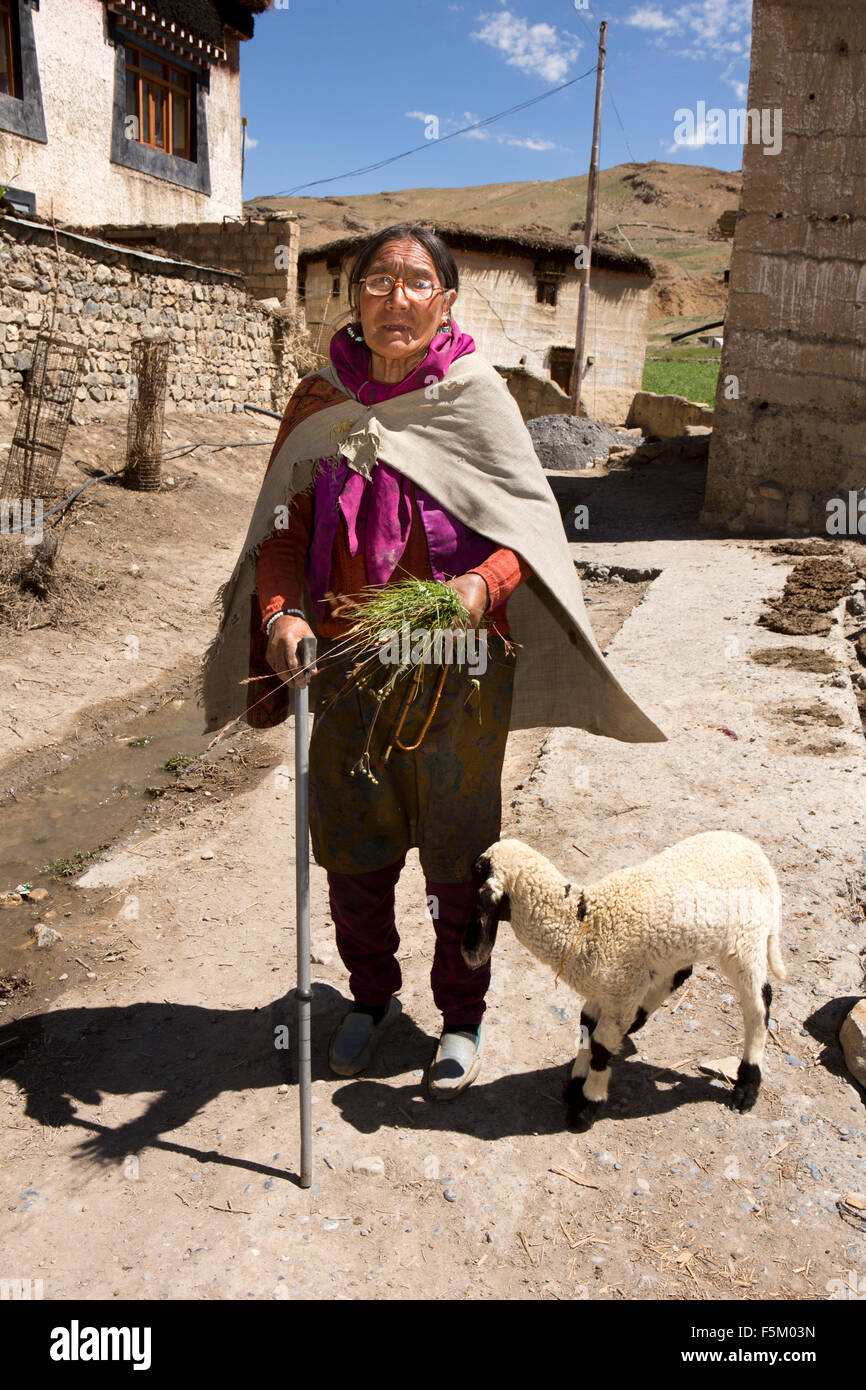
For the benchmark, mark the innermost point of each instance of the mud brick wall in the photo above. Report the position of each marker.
(226, 348)
(794, 434)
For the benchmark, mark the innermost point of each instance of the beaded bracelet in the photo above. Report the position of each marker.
(284, 613)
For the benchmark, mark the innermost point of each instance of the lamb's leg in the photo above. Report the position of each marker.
(656, 994)
(588, 1020)
(755, 996)
(583, 1097)
(572, 1092)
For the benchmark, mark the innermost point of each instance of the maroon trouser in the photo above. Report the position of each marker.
(362, 906)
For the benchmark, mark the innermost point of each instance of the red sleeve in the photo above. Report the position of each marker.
(502, 572)
(282, 560)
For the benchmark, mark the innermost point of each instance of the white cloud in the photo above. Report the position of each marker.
(539, 49)
(650, 17)
(706, 28)
(250, 142)
(530, 144)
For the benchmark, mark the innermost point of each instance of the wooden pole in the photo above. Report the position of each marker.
(589, 229)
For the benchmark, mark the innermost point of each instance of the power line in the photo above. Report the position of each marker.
(428, 144)
(609, 91)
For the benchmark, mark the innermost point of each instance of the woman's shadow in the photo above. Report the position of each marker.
(186, 1053)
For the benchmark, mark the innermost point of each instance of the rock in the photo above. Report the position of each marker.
(852, 1039)
(112, 873)
(38, 895)
(725, 1067)
(449, 1194)
(46, 937)
(373, 1167)
(857, 603)
(207, 854)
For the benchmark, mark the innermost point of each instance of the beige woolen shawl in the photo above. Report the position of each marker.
(463, 441)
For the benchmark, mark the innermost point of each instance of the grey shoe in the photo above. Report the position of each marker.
(456, 1064)
(355, 1041)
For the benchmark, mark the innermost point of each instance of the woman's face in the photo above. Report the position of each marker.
(395, 328)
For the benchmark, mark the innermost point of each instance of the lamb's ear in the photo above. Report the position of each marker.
(480, 936)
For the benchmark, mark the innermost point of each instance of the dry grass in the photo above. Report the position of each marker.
(37, 589)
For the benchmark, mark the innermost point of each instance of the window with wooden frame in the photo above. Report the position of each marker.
(545, 291)
(10, 75)
(160, 97)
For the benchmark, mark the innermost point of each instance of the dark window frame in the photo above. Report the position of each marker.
(9, 30)
(148, 159)
(23, 114)
(546, 291)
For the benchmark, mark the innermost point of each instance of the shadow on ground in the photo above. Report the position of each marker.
(191, 1055)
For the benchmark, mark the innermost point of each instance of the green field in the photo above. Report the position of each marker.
(676, 374)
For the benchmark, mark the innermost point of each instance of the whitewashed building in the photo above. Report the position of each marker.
(123, 111)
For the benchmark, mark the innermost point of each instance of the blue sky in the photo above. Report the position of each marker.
(329, 86)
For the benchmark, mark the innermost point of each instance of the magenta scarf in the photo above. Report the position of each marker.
(377, 510)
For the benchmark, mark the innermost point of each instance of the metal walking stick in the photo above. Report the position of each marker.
(303, 994)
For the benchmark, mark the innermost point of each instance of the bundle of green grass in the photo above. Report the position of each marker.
(396, 631)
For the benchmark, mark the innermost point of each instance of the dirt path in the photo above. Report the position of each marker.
(150, 1131)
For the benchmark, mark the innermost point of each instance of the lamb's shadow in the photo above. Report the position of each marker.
(518, 1104)
(188, 1054)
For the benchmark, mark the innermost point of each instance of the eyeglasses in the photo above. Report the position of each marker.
(417, 287)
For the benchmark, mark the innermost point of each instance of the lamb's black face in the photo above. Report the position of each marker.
(492, 907)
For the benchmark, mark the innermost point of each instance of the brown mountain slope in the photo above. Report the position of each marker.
(667, 212)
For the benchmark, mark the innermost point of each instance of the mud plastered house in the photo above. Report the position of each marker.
(518, 299)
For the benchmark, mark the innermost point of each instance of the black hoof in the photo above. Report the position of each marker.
(744, 1097)
(580, 1112)
(747, 1087)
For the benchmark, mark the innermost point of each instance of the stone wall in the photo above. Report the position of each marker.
(496, 303)
(226, 348)
(263, 250)
(790, 416)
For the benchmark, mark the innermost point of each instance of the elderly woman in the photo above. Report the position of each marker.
(408, 456)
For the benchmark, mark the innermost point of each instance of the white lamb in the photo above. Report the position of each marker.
(627, 942)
